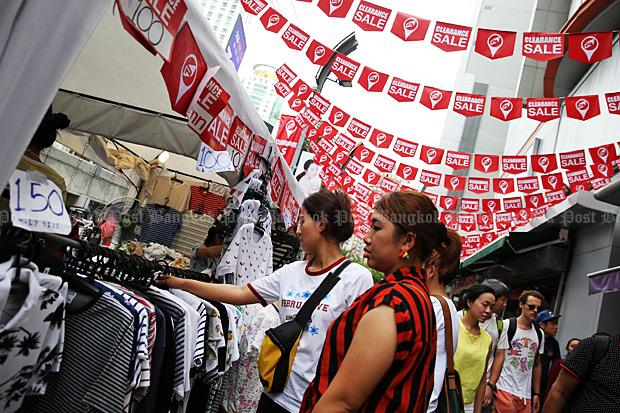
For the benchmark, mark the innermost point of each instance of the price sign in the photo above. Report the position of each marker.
(37, 204)
(213, 161)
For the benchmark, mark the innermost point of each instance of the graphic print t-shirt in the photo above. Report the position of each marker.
(516, 377)
(293, 284)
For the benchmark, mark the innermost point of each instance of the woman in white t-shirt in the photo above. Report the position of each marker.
(325, 222)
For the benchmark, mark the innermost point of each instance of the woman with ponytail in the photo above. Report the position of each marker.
(325, 223)
(379, 354)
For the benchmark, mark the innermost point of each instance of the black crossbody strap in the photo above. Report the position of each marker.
(304, 314)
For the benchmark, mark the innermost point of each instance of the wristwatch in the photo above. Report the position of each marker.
(536, 394)
(492, 386)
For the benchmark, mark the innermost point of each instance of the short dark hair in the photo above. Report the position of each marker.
(475, 291)
(571, 340)
(334, 210)
(531, 293)
(499, 288)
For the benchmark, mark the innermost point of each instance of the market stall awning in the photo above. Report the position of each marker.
(604, 281)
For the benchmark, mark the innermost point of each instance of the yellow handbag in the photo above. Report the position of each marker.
(280, 344)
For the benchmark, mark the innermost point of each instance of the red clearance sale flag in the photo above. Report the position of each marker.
(384, 164)
(451, 37)
(495, 44)
(372, 80)
(327, 131)
(345, 143)
(544, 163)
(282, 89)
(371, 177)
(407, 172)
(478, 185)
(454, 183)
(288, 137)
(410, 28)
(359, 129)
(503, 185)
(582, 107)
(603, 154)
(296, 104)
(601, 170)
(590, 47)
(344, 68)
(486, 163)
(543, 109)
(272, 20)
(506, 108)
(335, 8)
(364, 154)
(431, 155)
(458, 160)
(435, 99)
(371, 17)
(573, 160)
(543, 46)
(448, 203)
(318, 104)
(514, 164)
(468, 104)
(470, 204)
(301, 90)
(430, 178)
(285, 74)
(253, 6)
(338, 117)
(405, 148)
(402, 90)
(294, 37)
(552, 182)
(381, 139)
(389, 185)
(185, 71)
(318, 53)
(491, 205)
(528, 184)
(613, 103)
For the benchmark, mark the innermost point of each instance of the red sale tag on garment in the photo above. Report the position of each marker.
(294, 37)
(272, 20)
(451, 37)
(486, 163)
(543, 109)
(402, 90)
(454, 183)
(431, 155)
(582, 107)
(381, 139)
(335, 8)
(458, 160)
(468, 104)
(338, 117)
(495, 44)
(543, 46)
(318, 53)
(506, 108)
(435, 99)
(410, 28)
(372, 80)
(371, 17)
(344, 68)
(503, 185)
(544, 163)
(405, 148)
(590, 47)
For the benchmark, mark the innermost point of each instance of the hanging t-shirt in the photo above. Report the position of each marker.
(292, 285)
(441, 360)
(168, 192)
(160, 224)
(194, 230)
(31, 321)
(469, 360)
(206, 201)
(516, 377)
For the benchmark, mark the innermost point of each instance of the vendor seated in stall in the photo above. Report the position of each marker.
(205, 257)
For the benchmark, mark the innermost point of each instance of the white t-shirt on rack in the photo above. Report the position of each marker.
(292, 285)
(516, 376)
(441, 360)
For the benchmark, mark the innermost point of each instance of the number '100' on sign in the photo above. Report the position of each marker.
(37, 204)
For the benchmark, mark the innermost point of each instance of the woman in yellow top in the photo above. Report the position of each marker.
(474, 346)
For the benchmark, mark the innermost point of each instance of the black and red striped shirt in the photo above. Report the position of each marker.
(408, 384)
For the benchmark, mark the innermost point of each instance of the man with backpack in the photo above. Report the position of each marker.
(548, 323)
(518, 387)
(589, 380)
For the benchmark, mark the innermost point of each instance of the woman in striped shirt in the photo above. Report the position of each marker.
(379, 354)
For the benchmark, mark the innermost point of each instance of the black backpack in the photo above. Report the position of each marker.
(512, 329)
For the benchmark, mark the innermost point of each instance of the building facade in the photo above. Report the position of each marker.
(262, 93)
(221, 15)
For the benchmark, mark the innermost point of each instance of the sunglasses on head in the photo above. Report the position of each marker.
(533, 307)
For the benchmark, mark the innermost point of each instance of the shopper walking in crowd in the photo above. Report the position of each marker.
(325, 223)
(556, 366)
(518, 387)
(548, 323)
(475, 345)
(589, 381)
(495, 327)
(379, 354)
(440, 270)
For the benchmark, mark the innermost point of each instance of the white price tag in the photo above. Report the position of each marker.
(37, 205)
(213, 161)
